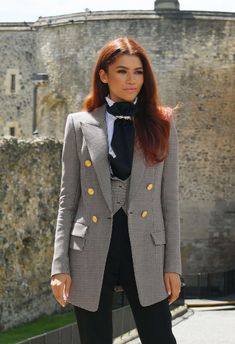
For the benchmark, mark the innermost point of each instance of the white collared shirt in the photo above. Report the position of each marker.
(110, 123)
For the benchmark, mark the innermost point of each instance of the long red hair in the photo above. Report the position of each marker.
(152, 121)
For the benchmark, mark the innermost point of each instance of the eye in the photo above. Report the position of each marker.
(139, 72)
(121, 71)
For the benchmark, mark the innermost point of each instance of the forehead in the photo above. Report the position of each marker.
(128, 61)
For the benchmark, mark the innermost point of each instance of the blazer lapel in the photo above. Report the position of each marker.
(94, 129)
(95, 132)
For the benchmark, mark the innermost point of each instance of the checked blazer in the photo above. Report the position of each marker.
(85, 214)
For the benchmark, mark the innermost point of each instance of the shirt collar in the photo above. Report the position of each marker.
(111, 102)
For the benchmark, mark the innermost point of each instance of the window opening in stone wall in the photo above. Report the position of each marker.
(12, 131)
(13, 83)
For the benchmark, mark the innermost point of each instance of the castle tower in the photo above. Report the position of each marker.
(166, 5)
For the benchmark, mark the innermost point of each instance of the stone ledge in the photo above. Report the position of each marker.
(17, 26)
(131, 15)
(82, 17)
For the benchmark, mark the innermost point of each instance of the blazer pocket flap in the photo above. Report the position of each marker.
(159, 238)
(79, 229)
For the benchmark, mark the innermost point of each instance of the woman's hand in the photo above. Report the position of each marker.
(60, 284)
(173, 285)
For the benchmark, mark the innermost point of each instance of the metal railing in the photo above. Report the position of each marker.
(123, 322)
(209, 284)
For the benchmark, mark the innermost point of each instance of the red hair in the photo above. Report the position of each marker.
(152, 122)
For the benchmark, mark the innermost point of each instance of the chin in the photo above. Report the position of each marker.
(129, 98)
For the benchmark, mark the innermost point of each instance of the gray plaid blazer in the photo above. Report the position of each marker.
(84, 222)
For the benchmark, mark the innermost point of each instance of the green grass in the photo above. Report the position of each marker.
(36, 327)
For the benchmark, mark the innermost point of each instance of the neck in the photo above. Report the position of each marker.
(111, 101)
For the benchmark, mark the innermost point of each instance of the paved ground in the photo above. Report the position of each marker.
(204, 325)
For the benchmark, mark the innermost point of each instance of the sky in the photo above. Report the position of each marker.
(30, 10)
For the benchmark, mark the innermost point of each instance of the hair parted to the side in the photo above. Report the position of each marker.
(152, 122)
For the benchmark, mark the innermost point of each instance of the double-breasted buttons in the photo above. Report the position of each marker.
(94, 218)
(144, 213)
(88, 163)
(149, 186)
(90, 191)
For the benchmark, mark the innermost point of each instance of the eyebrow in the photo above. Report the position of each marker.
(128, 68)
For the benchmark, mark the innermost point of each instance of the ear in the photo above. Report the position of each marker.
(103, 76)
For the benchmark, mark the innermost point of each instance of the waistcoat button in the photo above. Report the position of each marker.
(88, 163)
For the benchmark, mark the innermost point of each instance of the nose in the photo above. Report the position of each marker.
(131, 78)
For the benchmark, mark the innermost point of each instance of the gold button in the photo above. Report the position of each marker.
(90, 191)
(88, 163)
(149, 186)
(144, 213)
(94, 218)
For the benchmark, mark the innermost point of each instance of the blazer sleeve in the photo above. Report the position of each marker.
(70, 191)
(170, 204)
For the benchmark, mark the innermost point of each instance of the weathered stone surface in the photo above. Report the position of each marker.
(29, 189)
(17, 56)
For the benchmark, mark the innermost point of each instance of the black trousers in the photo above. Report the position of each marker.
(153, 322)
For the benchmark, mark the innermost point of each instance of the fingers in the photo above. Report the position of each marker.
(171, 291)
(174, 296)
(175, 291)
(57, 288)
(173, 286)
(66, 289)
(60, 286)
(168, 285)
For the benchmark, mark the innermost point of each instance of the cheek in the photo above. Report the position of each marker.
(117, 81)
(141, 80)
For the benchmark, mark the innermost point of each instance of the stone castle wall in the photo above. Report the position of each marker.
(17, 57)
(29, 184)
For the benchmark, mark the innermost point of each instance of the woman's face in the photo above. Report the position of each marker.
(125, 78)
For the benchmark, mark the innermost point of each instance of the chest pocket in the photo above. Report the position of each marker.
(78, 236)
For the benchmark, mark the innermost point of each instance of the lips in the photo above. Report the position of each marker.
(130, 89)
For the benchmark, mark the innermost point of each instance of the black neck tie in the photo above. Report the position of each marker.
(123, 138)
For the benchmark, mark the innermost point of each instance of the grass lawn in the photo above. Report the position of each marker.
(36, 327)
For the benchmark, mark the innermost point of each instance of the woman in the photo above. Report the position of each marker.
(118, 219)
